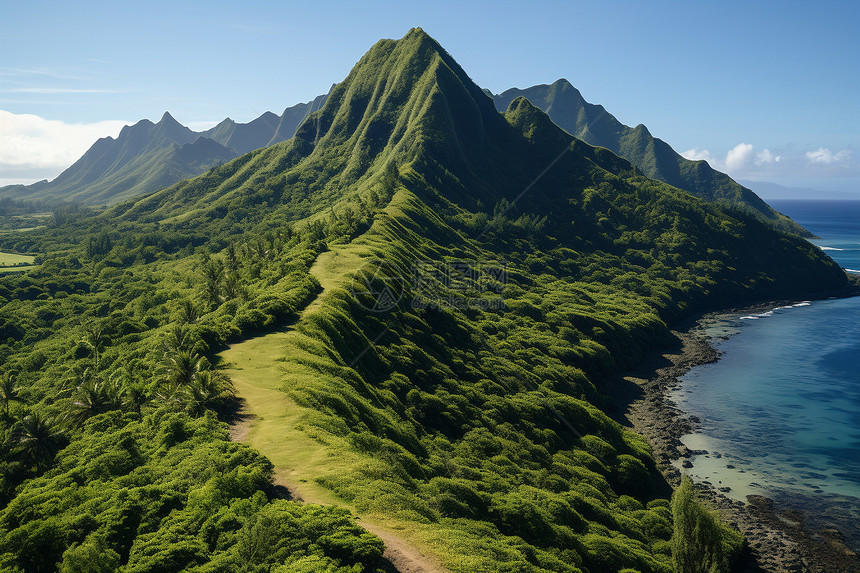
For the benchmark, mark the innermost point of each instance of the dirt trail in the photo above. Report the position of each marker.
(268, 416)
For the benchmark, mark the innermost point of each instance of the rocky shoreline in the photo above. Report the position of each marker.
(777, 538)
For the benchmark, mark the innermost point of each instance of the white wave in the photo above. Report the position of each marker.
(783, 307)
(751, 317)
(804, 303)
(830, 249)
(856, 272)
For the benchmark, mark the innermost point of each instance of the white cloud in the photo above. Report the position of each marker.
(201, 125)
(825, 156)
(743, 161)
(739, 156)
(34, 148)
(697, 154)
(764, 157)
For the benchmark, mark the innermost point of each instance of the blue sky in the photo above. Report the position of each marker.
(764, 90)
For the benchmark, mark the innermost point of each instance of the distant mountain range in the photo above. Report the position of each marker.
(146, 157)
(593, 124)
(149, 156)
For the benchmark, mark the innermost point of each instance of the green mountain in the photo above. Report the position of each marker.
(594, 125)
(146, 156)
(428, 298)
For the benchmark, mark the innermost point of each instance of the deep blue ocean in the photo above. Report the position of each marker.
(780, 410)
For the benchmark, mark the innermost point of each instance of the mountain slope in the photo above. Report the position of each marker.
(146, 156)
(594, 125)
(484, 273)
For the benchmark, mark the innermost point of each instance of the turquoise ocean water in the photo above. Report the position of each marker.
(780, 410)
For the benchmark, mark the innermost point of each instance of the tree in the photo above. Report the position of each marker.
(9, 391)
(208, 390)
(100, 245)
(188, 311)
(134, 397)
(95, 396)
(95, 339)
(178, 338)
(213, 274)
(700, 543)
(232, 286)
(232, 259)
(36, 438)
(183, 366)
(91, 556)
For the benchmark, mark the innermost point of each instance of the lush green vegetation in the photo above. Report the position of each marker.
(700, 542)
(469, 414)
(112, 453)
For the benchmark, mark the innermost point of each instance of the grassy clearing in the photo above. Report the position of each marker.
(12, 259)
(276, 430)
(259, 368)
(263, 369)
(331, 268)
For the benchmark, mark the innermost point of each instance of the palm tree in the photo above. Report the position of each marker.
(9, 391)
(232, 286)
(232, 259)
(208, 390)
(178, 338)
(36, 438)
(94, 397)
(183, 366)
(134, 397)
(213, 274)
(188, 311)
(95, 339)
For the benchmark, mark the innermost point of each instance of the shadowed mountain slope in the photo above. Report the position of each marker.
(594, 125)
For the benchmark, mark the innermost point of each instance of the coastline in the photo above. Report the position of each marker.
(776, 536)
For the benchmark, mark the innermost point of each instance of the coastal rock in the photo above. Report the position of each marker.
(760, 501)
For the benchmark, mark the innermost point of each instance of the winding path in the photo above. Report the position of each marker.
(268, 417)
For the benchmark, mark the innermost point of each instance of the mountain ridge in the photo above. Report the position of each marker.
(595, 125)
(147, 156)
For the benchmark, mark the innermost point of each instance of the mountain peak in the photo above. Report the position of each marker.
(168, 119)
(401, 86)
(563, 86)
(596, 126)
(417, 32)
(534, 124)
(641, 128)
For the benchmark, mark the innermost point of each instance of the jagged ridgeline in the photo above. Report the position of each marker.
(594, 125)
(148, 156)
(455, 285)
